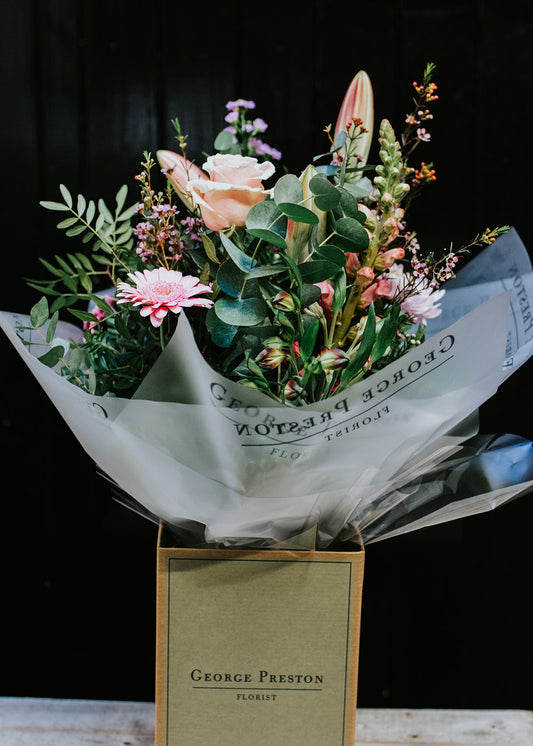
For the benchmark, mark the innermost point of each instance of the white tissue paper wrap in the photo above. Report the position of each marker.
(192, 446)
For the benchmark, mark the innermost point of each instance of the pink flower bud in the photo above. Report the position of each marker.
(386, 259)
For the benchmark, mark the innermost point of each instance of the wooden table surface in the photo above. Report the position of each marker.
(69, 722)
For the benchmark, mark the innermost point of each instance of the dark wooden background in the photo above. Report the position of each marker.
(87, 86)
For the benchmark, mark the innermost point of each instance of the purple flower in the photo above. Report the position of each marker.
(260, 125)
(240, 103)
(231, 117)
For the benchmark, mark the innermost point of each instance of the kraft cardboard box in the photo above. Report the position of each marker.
(256, 646)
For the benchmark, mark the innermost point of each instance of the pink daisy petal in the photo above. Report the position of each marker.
(161, 290)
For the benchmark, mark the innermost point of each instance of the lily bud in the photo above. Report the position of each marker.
(179, 171)
(333, 359)
(358, 103)
(298, 234)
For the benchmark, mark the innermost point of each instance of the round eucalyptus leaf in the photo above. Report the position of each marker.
(241, 312)
(221, 333)
(224, 140)
(266, 216)
(351, 236)
(288, 189)
(230, 278)
(326, 195)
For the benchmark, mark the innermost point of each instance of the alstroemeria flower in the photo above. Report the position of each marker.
(161, 290)
(235, 186)
(423, 304)
(421, 299)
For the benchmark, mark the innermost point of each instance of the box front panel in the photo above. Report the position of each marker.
(259, 652)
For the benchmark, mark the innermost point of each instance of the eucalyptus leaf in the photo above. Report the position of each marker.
(360, 188)
(52, 357)
(271, 237)
(241, 312)
(39, 313)
(265, 271)
(230, 278)
(223, 141)
(298, 213)
(242, 260)
(326, 194)
(329, 170)
(347, 206)
(76, 359)
(221, 333)
(351, 236)
(51, 328)
(340, 139)
(288, 189)
(266, 218)
(317, 271)
(332, 254)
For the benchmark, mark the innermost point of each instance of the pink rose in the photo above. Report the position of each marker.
(233, 188)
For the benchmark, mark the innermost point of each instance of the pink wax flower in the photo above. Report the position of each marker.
(161, 290)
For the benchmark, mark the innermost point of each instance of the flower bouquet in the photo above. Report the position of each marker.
(274, 363)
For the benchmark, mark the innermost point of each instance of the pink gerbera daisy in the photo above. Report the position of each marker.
(161, 290)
